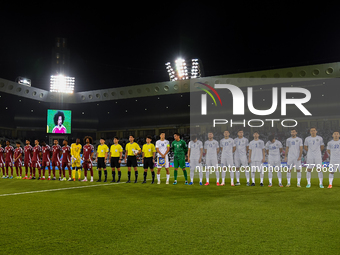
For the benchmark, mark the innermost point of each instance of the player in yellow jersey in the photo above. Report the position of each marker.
(149, 152)
(101, 158)
(75, 156)
(116, 153)
(132, 149)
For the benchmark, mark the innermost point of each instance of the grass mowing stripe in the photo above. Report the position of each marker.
(79, 187)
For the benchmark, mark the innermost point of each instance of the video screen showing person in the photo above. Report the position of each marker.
(59, 121)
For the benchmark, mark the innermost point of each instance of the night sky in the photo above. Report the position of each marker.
(129, 44)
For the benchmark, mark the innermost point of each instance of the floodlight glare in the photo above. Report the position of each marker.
(62, 84)
(184, 69)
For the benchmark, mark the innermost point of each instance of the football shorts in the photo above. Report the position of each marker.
(256, 166)
(101, 163)
(115, 162)
(148, 163)
(76, 163)
(241, 161)
(131, 161)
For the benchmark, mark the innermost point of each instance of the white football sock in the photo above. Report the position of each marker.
(270, 176)
(298, 175)
(320, 175)
(167, 177)
(217, 175)
(231, 176)
(261, 176)
(308, 176)
(247, 175)
(252, 177)
(238, 176)
(201, 175)
(223, 175)
(158, 177)
(330, 177)
(192, 174)
(207, 175)
(289, 174)
(279, 176)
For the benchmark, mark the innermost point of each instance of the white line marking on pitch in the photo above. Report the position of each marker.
(79, 187)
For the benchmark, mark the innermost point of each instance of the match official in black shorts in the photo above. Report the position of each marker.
(102, 153)
(148, 153)
(132, 149)
(116, 153)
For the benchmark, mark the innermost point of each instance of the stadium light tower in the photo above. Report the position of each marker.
(184, 69)
(62, 84)
(23, 81)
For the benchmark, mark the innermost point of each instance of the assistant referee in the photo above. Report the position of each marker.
(132, 149)
(102, 153)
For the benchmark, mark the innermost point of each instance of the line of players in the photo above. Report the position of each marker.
(43, 156)
(239, 152)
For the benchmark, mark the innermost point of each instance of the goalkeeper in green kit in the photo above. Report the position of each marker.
(180, 149)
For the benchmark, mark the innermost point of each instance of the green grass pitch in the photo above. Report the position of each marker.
(105, 218)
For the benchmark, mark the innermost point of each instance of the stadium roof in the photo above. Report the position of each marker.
(146, 105)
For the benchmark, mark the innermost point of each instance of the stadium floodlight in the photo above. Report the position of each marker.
(23, 81)
(184, 70)
(62, 84)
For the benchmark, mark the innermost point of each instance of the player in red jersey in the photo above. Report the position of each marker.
(88, 150)
(2, 161)
(18, 160)
(56, 153)
(36, 159)
(66, 160)
(9, 150)
(28, 150)
(46, 160)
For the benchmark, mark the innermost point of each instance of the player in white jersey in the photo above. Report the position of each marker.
(211, 148)
(294, 149)
(274, 150)
(162, 148)
(314, 146)
(240, 156)
(195, 153)
(257, 157)
(227, 147)
(333, 149)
